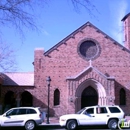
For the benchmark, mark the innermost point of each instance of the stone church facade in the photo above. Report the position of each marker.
(86, 68)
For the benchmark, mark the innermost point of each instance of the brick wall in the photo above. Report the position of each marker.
(127, 32)
(63, 61)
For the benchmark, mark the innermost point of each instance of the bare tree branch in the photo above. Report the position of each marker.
(15, 12)
(7, 58)
(87, 4)
(20, 14)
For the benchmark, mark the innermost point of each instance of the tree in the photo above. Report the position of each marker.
(19, 14)
(84, 3)
(7, 57)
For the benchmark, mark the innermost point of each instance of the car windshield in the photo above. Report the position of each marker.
(80, 111)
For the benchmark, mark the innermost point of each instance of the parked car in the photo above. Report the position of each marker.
(29, 117)
(93, 115)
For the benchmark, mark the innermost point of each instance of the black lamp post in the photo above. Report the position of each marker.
(48, 84)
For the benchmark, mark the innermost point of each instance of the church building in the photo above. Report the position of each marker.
(86, 68)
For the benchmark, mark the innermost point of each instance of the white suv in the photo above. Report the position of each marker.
(93, 115)
(29, 117)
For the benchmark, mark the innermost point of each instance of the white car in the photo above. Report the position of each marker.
(93, 115)
(29, 117)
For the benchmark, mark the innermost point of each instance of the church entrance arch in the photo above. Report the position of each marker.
(26, 99)
(89, 92)
(89, 97)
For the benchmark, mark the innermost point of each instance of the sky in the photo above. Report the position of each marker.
(58, 19)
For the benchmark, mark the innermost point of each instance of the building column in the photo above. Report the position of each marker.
(111, 92)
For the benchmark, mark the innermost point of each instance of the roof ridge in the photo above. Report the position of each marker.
(67, 37)
(71, 35)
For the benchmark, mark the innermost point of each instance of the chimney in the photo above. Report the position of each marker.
(38, 58)
(126, 21)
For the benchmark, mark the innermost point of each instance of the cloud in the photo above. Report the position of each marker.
(118, 9)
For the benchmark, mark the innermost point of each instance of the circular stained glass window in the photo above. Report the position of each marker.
(89, 49)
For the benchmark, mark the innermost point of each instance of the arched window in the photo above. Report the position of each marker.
(56, 97)
(122, 97)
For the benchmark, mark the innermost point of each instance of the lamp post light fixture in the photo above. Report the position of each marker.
(48, 84)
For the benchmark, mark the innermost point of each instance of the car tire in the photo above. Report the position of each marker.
(112, 124)
(30, 125)
(71, 125)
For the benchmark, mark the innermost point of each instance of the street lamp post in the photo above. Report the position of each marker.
(48, 84)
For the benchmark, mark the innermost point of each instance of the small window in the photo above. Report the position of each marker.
(56, 97)
(114, 110)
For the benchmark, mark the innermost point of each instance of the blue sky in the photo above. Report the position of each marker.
(58, 19)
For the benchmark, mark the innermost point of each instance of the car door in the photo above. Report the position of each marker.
(10, 118)
(87, 117)
(32, 114)
(101, 115)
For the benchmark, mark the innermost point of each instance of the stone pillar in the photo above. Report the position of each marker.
(111, 92)
(18, 99)
(71, 96)
(77, 103)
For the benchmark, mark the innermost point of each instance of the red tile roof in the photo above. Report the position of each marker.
(19, 79)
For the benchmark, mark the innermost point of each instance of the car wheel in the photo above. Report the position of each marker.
(112, 124)
(30, 125)
(71, 125)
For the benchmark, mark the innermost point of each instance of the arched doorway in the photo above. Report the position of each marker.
(93, 86)
(26, 99)
(89, 97)
(9, 100)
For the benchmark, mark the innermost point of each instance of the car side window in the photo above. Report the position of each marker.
(90, 111)
(101, 110)
(22, 111)
(31, 111)
(114, 110)
(12, 112)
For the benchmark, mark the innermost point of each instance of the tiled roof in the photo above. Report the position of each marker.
(19, 79)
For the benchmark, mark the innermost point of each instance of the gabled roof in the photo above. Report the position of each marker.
(87, 69)
(19, 79)
(80, 29)
(125, 17)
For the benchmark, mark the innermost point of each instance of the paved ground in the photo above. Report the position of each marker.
(52, 120)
